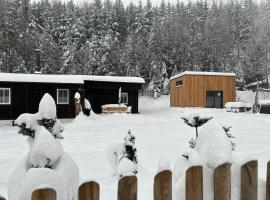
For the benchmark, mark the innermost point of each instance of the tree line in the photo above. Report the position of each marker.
(154, 42)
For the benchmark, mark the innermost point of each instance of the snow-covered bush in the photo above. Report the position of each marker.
(196, 120)
(212, 149)
(87, 107)
(227, 130)
(46, 163)
(122, 156)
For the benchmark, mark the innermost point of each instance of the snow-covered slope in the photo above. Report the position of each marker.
(159, 133)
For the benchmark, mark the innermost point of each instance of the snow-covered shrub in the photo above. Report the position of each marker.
(87, 107)
(212, 149)
(227, 130)
(196, 120)
(46, 163)
(122, 156)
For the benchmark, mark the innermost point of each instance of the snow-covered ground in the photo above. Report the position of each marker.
(159, 132)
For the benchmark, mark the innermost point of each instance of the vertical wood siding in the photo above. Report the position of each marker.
(193, 91)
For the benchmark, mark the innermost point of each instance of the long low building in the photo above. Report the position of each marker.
(21, 93)
(202, 89)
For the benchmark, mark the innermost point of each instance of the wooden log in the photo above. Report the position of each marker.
(249, 181)
(127, 188)
(89, 191)
(222, 182)
(194, 183)
(44, 194)
(268, 182)
(163, 186)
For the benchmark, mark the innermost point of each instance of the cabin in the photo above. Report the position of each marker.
(202, 89)
(21, 93)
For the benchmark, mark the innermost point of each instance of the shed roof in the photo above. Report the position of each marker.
(202, 74)
(59, 78)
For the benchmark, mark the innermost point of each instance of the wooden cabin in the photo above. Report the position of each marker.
(21, 93)
(202, 89)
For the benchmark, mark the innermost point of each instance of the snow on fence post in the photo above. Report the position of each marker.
(163, 186)
(194, 183)
(89, 191)
(222, 182)
(127, 188)
(249, 181)
(44, 194)
(268, 181)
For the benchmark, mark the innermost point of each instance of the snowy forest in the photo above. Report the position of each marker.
(154, 42)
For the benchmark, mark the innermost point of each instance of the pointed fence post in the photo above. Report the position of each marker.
(163, 186)
(44, 194)
(194, 183)
(268, 182)
(89, 191)
(222, 182)
(127, 188)
(249, 181)
(2, 198)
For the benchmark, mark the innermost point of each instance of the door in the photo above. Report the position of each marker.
(214, 99)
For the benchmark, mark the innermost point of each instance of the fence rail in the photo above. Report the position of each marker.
(127, 186)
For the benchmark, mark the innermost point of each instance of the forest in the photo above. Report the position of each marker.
(154, 42)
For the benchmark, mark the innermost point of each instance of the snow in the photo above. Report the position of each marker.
(77, 95)
(87, 104)
(72, 79)
(202, 74)
(126, 167)
(159, 132)
(213, 145)
(47, 107)
(264, 102)
(163, 164)
(235, 105)
(114, 106)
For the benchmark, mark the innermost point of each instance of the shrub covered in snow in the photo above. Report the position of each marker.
(46, 163)
(123, 157)
(87, 107)
(196, 120)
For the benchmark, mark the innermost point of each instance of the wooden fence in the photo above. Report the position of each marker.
(127, 186)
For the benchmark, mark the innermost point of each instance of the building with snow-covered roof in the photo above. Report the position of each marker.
(202, 89)
(21, 93)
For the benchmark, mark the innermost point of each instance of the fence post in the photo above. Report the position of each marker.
(194, 183)
(163, 186)
(268, 182)
(44, 194)
(222, 182)
(127, 188)
(2, 198)
(249, 181)
(89, 191)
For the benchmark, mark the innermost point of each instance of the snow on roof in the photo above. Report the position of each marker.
(255, 83)
(264, 102)
(59, 78)
(202, 74)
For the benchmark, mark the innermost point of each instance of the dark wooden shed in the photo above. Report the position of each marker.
(202, 89)
(21, 93)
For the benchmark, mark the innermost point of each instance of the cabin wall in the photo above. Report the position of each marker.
(25, 98)
(193, 91)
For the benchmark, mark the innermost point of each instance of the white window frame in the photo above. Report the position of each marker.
(62, 103)
(9, 97)
(122, 95)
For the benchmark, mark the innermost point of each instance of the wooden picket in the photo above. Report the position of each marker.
(222, 182)
(194, 183)
(127, 188)
(89, 191)
(44, 194)
(163, 186)
(268, 181)
(2, 198)
(249, 181)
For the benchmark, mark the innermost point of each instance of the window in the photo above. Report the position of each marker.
(4, 95)
(62, 96)
(179, 83)
(124, 98)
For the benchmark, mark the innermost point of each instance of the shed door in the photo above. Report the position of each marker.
(214, 99)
